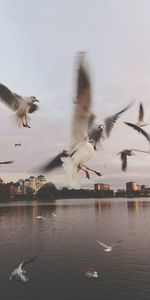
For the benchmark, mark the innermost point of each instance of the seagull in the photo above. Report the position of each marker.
(19, 273)
(140, 122)
(18, 145)
(91, 273)
(40, 218)
(53, 215)
(21, 105)
(126, 152)
(81, 147)
(98, 132)
(140, 130)
(108, 248)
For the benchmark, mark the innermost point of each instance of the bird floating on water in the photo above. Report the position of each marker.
(19, 274)
(91, 273)
(40, 218)
(128, 152)
(81, 147)
(106, 247)
(21, 105)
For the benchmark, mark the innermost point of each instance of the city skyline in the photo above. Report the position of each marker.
(38, 58)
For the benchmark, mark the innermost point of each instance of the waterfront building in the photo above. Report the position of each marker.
(132, 187)
(101, 187)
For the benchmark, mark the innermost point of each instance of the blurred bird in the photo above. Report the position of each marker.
(98, 132)
(140, 130)
(81, 148)
(126, 152)
(108, 248)
(21, 105)
(140, 122)
(91, 273)
(18, 145)
(19, 273)
(40, 218)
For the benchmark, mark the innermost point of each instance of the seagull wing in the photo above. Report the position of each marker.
(124, 161)
(56, 162)
(110, 121)
(139, 129)
(25, 262)
(102, 244)
(6, 162)
(10, 99)
(82, 114)
(117, 241)
(141, 113)
(137, 150)
(33, 108)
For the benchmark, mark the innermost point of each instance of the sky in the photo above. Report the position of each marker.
(39, 42)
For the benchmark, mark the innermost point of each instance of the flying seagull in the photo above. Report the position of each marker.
(126, 152)
(140, 122)
(140, 130)
(106, 247)
(21, 105)
(81, 147)
(98, 132)
(19, 273)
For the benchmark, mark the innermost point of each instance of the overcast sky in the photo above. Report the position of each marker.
(39, 41)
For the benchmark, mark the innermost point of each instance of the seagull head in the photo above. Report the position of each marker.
(33, 98)
(101, 127)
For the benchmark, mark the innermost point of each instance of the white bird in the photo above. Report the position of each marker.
(81, 148)
(140, 122)
(40, 217)
(91, 273)
(98, 132)
(108, 248)
(19, 273)
(21, 105)
(53, 215)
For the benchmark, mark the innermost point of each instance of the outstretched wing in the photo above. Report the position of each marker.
(139, 129)
(142, 151)
(25, 262)
(124, 161)
(10, 99)
(56, 162)
(102, 244)
(141, 113)
(33, 108)
(82, 114)
(110, 121)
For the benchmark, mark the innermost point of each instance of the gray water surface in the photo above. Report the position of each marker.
(66, 246)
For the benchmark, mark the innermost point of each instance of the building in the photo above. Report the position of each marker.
(132, 187)
(101, 187)
(40, 181)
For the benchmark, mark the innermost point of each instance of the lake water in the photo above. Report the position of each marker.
(66, 246)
